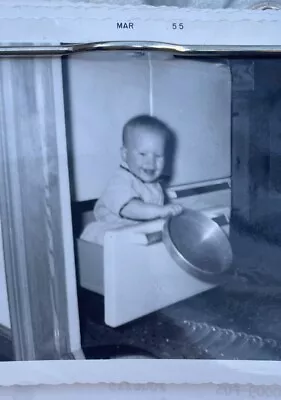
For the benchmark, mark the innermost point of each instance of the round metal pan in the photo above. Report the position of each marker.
(198, 245)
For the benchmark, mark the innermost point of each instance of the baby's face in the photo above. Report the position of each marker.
(145, 154)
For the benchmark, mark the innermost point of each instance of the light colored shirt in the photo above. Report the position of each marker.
(123, 187)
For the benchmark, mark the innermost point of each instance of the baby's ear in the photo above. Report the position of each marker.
(124, 154)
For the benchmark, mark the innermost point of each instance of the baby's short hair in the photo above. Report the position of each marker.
(147, 121)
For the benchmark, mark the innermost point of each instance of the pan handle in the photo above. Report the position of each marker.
(154, 237)
(146, 239)
(221, 220)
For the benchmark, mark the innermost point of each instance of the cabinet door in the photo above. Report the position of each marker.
(104, 92)
(194, 98)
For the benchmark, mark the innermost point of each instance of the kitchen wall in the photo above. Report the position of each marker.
(256, 139)
(256, 169)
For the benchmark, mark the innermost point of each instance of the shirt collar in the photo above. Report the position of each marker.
(124, 166)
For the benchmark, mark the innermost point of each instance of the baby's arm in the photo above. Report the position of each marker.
(138, 210)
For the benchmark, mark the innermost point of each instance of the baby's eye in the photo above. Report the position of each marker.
(142, 154)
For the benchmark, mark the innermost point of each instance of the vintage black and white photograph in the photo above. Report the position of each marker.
(140, 207)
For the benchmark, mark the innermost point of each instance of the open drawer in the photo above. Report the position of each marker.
(135, 276)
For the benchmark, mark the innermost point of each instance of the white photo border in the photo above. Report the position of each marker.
(66, 22)
(63, 22)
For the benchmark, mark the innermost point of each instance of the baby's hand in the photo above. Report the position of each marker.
(171, 210)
